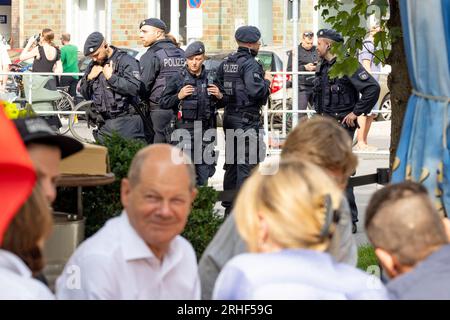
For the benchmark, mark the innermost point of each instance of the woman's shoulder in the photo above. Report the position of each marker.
(14, 286)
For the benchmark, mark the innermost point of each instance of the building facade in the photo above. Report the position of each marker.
(212, 21)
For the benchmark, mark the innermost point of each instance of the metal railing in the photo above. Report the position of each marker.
(30, 75)
(266, 111)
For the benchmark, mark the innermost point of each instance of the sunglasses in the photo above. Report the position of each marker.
(308, 34)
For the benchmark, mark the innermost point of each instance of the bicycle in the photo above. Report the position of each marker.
(78, 122)
(61, 101)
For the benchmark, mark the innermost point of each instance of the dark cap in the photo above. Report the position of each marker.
(93, 42)
(247, 34)
(36, 130)
(195, 48)
(330, 34)
(154, 22)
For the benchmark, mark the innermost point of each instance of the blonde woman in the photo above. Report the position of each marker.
(287, 220)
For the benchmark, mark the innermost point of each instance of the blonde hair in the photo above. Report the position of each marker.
(323, 142)
(292, 204)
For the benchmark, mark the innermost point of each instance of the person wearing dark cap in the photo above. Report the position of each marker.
(345, 98)
(247, 88)
(112, 82)
(194, 94)
(162, 60)
(307, 62)
(46, 149)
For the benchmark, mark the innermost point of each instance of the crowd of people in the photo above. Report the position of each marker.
(288, 233)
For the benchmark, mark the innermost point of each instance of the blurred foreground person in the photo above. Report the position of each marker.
(306, 142)
(411, 241)
(140, 254)
(287, 220)
(21, 251)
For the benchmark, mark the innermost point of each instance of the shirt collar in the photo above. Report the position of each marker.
(133, 246)
(13, 263)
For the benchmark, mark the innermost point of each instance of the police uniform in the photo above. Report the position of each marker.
(113, 99)
(246, 91)
(162, 60)
(196, 114)
(305, 82)
(339, 97)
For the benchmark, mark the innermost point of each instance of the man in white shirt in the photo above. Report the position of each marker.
(140, 254)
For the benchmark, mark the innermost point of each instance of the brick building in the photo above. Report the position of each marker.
(214, 22)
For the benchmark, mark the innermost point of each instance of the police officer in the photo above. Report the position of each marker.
(112, 82)
(343, 99)
(193, 94)
(247, 88)
(162, 60)
(307, 61)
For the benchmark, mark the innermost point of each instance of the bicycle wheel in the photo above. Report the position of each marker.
(276, 119)
(65, 103)
(78, 125)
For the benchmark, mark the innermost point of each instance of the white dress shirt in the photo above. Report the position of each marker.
(116, 263)
(16, 282)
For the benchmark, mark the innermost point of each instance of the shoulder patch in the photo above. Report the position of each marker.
(137, 75)
(363, 75)
(256, 76)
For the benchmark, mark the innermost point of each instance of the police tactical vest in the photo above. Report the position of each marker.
(334, 96)
(233, 83)
(104, 98)
(171, 61)
(196, 106)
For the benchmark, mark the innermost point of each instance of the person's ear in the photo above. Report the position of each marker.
(193, 195)
(387, 261)
(446, 222)
(263, 233)
(125, 190)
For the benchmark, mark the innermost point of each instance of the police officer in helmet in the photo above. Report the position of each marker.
(162, 60)
(112, 82)
(343, 99)
(247, 88)
(193, 94)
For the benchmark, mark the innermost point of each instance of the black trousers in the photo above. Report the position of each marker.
(160, 122)
(199, 146)
(71, 82)
(244, 149)
(305, 96)
(349, 192)
(129, 126)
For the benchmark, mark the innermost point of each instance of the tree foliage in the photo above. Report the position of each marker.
(348, 23)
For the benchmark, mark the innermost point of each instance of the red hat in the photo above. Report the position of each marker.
(17, 175)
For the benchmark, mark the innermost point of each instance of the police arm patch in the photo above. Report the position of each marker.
(137, 75)
(363, 75)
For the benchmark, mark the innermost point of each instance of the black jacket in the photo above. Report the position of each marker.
(150, 67)
(358, 93)
(252, 73)
(169, 99)
(124, 83)
(304, 57)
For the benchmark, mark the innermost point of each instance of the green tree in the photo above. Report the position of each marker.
(389, 42)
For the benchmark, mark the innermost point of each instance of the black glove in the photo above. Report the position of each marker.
(94, 119)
